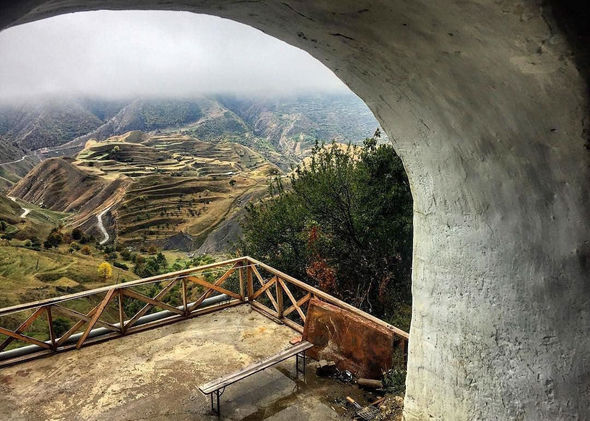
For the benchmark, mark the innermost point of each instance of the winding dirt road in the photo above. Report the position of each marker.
(13, 162)
(101, 226)
(25, 210)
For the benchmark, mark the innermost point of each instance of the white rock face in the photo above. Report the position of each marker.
(490, 116)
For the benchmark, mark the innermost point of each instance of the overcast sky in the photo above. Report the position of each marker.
(122, 54)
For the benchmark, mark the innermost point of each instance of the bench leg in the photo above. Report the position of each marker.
(218, 410)
(298, 369)
(215, 408)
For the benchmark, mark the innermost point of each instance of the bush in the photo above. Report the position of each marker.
(150, 266)
(54, 239)
(394, 381)
(77, 234)
(120, 265)
(61, 326)
(125, 254)
(35, 244)
(344, 224)
(85, 250)
(86, 239)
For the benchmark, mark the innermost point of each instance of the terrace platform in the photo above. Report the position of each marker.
(154, 375)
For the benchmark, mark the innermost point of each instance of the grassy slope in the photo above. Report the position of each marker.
(38, 222)
(28, 275)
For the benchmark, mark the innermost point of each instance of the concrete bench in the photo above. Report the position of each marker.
(217, 386)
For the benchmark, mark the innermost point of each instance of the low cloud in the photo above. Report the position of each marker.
(172, 54)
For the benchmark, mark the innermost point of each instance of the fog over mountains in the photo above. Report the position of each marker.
(109, 54)
(89, 75)
(282, 128)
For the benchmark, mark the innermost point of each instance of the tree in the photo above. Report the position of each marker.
(35, 243)
(343, 224)
(77, 234)
(114, 153)
(161, 259)
(105, 271)
(54, 239)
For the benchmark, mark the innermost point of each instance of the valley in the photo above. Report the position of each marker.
(146, 185)
(146, 189)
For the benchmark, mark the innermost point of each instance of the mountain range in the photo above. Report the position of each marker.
(145, 170)
(282, 129)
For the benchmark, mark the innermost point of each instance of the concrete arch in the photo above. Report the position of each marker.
(489, 111)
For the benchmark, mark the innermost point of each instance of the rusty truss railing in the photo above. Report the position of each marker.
(125, 308)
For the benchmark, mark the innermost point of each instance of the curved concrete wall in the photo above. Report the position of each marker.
(490, 116)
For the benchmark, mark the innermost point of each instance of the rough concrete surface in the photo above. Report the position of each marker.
(487, 106)
(155, 374)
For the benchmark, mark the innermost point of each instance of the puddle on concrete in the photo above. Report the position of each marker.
(275, 394)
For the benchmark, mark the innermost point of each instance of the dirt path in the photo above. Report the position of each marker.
(101, 226)
(13, 162)
(25, 210)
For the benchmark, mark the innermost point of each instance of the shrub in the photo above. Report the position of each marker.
(77, 234)
(344, 224)
(394, 381)
(35, 243)
(125, 253)
(61, 326)
(85, 250)
(120, 265)
(54, 239)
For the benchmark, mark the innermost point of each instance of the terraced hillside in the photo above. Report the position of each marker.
(150, 188)
(283, 130)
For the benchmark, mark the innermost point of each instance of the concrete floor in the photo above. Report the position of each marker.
(154, 375)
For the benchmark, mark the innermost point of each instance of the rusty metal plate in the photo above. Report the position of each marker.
(351, 341)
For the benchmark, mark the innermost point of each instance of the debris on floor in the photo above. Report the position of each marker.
(370, 383)
(385, 408)
(391, 408)
(368, 413)
(326, 368)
